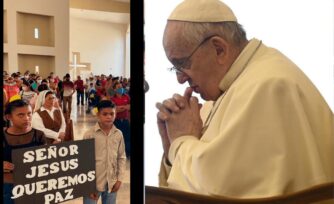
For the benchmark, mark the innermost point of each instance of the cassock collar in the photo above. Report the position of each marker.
(239, 64)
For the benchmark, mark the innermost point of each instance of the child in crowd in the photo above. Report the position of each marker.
(19, 135)
(109, 154)
(27, 94)
(11, 87)
(92, 98)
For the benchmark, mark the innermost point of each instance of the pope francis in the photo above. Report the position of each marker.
(265, 130)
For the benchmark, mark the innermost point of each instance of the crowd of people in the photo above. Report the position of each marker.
(90, 91)
(39, 110)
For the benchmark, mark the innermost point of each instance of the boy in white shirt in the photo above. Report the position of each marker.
(109, 155)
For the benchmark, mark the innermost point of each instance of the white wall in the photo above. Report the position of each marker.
(301, 29)
(127, 54)
(100, 43)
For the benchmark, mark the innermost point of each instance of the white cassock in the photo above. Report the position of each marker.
(270, 133)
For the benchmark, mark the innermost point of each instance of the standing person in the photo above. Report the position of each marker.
(69, 90)
(92, 98)
(55, 78)
(11, 87)
(33, 84)
(86, 85)
(27, 94)
(17, 79)
(80, 88)
(19, 135)
(5, 123)
(26, 75)
(60, 92)
(122, 102)
(49, 119)
(53, 85)
(103, 81)
(109, 88)
(39, 80)
(109, 153)
(99, 90)
(267, 121)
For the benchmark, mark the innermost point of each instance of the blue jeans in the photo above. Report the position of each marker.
(7, 193)
(107, 198)
(80, 94)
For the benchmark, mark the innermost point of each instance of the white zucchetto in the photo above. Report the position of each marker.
(202, 11)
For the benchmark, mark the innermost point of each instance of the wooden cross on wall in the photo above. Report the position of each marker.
(76, 66)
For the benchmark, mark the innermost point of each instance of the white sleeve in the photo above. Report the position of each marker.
(63, 123)
(38, 124)
(121, 160)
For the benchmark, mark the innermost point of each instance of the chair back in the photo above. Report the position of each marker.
(319, 193)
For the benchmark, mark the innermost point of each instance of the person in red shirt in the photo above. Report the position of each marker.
(69, 90)
(80, 88)
(11, 87)
(103, 81)
(122, 122)
(99, 90)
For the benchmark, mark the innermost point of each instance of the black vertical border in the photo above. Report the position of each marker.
(1, 92)
(137, 101)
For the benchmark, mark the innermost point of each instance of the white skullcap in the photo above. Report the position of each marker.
(204, 11)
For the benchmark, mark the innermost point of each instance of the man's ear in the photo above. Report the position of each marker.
(221, 48)
(8, 117)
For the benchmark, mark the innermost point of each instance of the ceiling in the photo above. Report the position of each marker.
(111, 17)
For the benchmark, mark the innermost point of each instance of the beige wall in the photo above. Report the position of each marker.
(46, 64)
(59, 10)
(26, 24)
(5, 61)
(101, 5)
(4, 26)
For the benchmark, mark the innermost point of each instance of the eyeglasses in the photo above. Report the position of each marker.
(185, 62)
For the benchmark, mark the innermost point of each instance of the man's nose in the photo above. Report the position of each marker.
(27, 118)
(182, 77)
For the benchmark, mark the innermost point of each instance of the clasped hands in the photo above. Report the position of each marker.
(179, 116)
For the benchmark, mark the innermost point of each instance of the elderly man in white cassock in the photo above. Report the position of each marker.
(267, 130)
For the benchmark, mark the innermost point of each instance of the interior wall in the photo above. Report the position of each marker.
(5, 62)
(59, 10)
(26, 24)
(100, 43)
(127, 54)
(5, 26)
(101, 5)
(28, 62)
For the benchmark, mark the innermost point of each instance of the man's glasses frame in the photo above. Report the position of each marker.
(185, 63)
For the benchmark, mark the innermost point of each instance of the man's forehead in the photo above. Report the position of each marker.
(24, 109)
(108, 110)
(51, 96)
(174, 43)
(174, 29)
